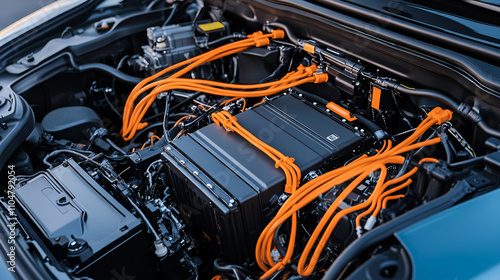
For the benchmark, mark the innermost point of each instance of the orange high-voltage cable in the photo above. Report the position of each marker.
(132, 116)
(291, 170)
(301, 76)
(358, 169)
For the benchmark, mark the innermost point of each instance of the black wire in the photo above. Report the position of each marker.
(146, 129)
(446, 145)
(378, 132)
(396, 102)
(171, 15)
(165, 117)
(462, 109)
(109, 102)
(152, 4)
(199, 14)
(405, 165)
(122, 60)
(238, 271)
(118, 149)
(428, 138)
(216, 42)
(202, 116)
(102, 68)
(466, 163)
(196, 94)
(276, 242)
(280, 69)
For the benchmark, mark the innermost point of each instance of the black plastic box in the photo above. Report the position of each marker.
(224, 185)
(65, 204)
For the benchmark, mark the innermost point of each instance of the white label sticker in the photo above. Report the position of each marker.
(332, 137)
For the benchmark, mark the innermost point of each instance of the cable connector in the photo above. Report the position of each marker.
(320, 78)
(160, 249)
(275, 255)
(440, 115)
(359, 231)
(259, 42)
(370, 223)
(255, 34)
(278, 34)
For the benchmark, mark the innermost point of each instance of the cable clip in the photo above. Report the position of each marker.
(285, 160)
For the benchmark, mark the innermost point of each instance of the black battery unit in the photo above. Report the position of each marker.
(83, 229)
(225, 186)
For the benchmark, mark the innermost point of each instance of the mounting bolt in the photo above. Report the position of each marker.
(30, 57)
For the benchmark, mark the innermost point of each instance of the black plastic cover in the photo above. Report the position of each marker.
(71, 123)
(224, 184)
(65, 204)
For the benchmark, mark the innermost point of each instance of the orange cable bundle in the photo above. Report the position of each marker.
(133, 113)
(291, 170)
(357, 170)
(301, 76)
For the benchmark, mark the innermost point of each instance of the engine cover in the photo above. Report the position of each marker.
(225, 186)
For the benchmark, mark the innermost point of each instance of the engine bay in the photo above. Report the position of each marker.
(183, 140)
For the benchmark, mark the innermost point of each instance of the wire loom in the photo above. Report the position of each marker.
(357, 170)
(132, 116)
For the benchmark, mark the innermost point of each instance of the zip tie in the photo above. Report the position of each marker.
(286, 160)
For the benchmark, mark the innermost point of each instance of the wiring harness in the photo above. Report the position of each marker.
(355, 172)
(132, 116)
